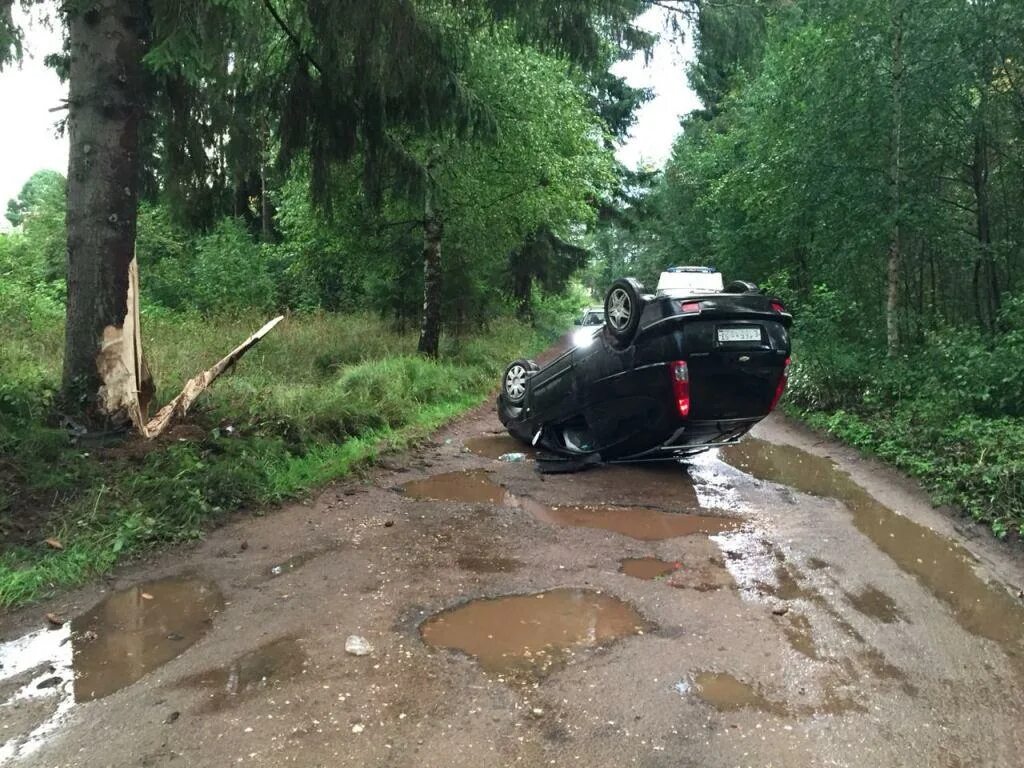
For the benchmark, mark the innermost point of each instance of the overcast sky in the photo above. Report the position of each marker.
(28, 140)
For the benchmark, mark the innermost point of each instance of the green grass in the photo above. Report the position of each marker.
(321, 396)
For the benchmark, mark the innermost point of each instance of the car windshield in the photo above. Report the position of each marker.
(593, 318)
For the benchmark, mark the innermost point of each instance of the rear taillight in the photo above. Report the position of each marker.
(781, 386)
(681, 386)
(777, 306)
(690, 307)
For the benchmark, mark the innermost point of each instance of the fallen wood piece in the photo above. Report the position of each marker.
(195, 386)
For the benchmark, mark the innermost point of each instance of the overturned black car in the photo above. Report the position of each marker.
(668, 375)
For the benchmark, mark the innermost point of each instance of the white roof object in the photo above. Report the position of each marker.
(680, 282)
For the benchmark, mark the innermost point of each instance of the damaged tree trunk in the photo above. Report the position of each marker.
(107, 39)
(433, 230)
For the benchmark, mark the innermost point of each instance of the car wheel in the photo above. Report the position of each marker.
(622, 308)
(741, 286)
(513, 383)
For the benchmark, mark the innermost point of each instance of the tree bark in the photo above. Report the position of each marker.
(433, 230)
(892, 301)
(979, 184)
(105, 106)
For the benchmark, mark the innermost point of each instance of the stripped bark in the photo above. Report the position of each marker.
(195, 386)
(104, 108)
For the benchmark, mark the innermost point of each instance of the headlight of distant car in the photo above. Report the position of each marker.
(584, 337)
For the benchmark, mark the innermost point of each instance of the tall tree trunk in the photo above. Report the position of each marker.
(105, 106)
(433, 229)
(986, 295)
(892, 303)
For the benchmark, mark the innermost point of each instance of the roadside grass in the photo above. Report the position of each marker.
(948, 413)
(321, 396)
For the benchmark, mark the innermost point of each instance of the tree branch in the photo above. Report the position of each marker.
(292, 36)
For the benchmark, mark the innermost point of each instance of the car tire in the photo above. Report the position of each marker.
(623, 305)
(741, 286)
(513, 382)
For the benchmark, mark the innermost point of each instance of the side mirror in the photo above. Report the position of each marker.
(577, 321)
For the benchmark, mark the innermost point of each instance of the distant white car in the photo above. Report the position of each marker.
(590, 321)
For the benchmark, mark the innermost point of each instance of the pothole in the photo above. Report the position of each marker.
(264, 668)
(647, 568)
(496, 446)
(138, 629)
(472, 486)
(942, 566)
(483, 564)
(526, 635)
(641, 523)
(293, 563)
(728, 694)
(110, 646)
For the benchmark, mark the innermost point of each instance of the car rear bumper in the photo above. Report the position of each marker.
(698, 436)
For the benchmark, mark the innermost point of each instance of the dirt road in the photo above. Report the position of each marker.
(762, 607)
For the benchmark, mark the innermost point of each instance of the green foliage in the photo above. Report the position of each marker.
(317, 397)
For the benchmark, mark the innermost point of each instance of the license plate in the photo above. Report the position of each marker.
(739, 334)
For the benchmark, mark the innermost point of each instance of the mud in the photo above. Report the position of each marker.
(875, 604)
(293, 562)
(641, 523)
(647, 568)
(528, 634)
(496, 446)
(800, 636)
(107, 648)
(472, 486)
(483, 564)
(943, 566)
(251, 674)
(815, 679)
(728, 694)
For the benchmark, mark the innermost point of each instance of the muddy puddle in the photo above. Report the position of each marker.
(526, 635)
(256, 671)
(484, 564)
(496, 446)
(138, 629)
(647, 568)
(473, 486)
(941, 565)
(110, 646)
(293, 563)
(642, 523)
(727, 693)
(875, 604)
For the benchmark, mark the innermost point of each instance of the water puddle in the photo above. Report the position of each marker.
(472, 486)
(105, 649)
(800, 636)
(729, 694)
(941, 565)
(496, 446)
(875, 604)
(646, 568)
(294, 562)
(646, 524)
(526, 635)
(481, 564)
(139, 629)
(266, 667)
(640, 523)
